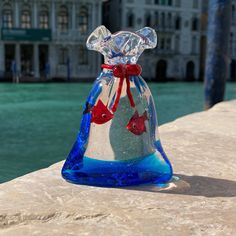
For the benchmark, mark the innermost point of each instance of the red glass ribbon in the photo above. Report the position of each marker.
(123, 71)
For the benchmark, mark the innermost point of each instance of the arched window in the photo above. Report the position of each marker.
(7, 16)
(63, 19)
(194, 24)
(44, 18)
(190, 71)
(83, 55)
(163, 20)
(156, 18)
(83, 20)
(162, 43)
(194, 45)
(161, 70)
(130, 19)
(177, 43)
(169, 19)
(177, 23)
(148, 19)
(168, 44)
(26, 17)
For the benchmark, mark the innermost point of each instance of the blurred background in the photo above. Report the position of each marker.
(43, 42)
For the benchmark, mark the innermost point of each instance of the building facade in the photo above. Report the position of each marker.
(177, 23)
(46, 39)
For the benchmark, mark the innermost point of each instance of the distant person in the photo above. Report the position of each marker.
(68, 69)
(47, 70)
(14, 72)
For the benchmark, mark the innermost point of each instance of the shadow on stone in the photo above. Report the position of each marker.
(195, 186)
(209, 187)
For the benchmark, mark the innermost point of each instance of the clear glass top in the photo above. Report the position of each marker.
(122, 47)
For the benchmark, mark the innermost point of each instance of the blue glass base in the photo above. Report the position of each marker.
(149, 169)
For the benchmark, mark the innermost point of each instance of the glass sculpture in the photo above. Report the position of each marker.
(118, 143)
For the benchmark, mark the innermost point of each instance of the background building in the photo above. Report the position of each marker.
(178, 25)
(46, 39)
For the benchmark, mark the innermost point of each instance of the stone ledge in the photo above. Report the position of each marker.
(202, 149)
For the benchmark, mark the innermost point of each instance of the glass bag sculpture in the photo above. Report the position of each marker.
(118, 142)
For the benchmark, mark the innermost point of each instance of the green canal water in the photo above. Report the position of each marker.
(39, 122)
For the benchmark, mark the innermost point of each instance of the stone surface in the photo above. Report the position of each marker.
(202, 148)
